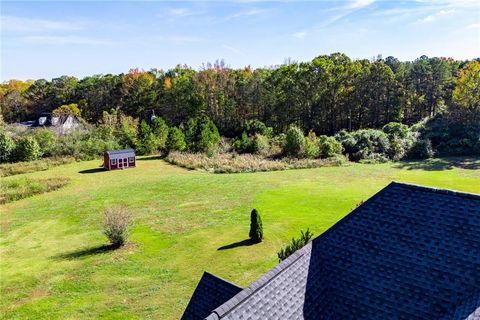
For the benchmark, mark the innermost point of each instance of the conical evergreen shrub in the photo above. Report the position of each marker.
(256, 228)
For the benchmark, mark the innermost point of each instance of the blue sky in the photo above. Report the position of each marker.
(49, 39)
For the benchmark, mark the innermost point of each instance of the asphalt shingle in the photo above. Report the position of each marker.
(211, 292)
(409, 252)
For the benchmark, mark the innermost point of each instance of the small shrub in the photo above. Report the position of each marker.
(161, 131)
(116, 225)
(396, 129)
(260, 144)
(256, 227)
(254, 127)
(312, 149)
(242, 144)
(47, 140)
(7, 147)
(147, 142)
(421, 149)
(202, 135)
(127, 132)
(176, 140)
(347, 140)
(295, 244)
(27, 149)
(295, 142)
(365, 144)
(397, 149)
(329, 147)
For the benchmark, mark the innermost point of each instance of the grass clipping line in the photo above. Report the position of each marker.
(235, 163)
(21, 188)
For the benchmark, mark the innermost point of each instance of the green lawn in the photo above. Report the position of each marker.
(53, 265)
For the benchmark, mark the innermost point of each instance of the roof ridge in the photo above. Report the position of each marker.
(436, 190)
(229, 305)
(237, 300)
(243, 295)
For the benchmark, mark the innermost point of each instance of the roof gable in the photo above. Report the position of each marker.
(211, 291)
(409, 252)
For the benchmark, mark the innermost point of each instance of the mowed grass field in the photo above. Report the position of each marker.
(53, 263)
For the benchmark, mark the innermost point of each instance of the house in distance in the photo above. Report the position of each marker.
(60, 123)
(119, 159)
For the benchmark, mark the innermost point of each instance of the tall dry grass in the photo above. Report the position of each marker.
(234, 163)
(10, 169)
(16, 189)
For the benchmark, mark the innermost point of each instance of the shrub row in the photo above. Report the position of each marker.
(114, 132)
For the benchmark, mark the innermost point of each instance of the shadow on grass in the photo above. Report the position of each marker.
(95, 170)
(243, 243)
(86, 252)
(440, 164)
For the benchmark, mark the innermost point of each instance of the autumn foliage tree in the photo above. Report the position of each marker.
(467, 92)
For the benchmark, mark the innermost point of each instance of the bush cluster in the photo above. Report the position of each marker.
(295, 244)
(450, 136)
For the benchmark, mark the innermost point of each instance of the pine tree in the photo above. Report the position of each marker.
(256, 228)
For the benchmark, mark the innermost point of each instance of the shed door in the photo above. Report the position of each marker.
(120, 163)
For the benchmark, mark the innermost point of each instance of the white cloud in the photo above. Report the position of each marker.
(358, 4)
(300, 35)
(246, 13)
(182, 12)
(474, 26)
(428, 18)
(346, 10)
(179, 12)
(13, 23)
(233, 49)
(437, 15)
(444, 12)
(62, 40)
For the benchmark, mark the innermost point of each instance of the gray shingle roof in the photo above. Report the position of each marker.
(121, 151)
(211, 292)
(409, 252)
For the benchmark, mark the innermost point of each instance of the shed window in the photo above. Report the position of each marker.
(113, 161)
(131, 159)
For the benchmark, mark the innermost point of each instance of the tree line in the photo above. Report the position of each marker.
(328, 94)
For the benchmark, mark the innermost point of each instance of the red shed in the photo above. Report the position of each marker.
(119, 159)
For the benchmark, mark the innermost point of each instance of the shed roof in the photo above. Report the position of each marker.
(409, 252)
(121, 151)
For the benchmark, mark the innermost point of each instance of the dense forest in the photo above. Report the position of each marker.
(330, 95)
(325, 95)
